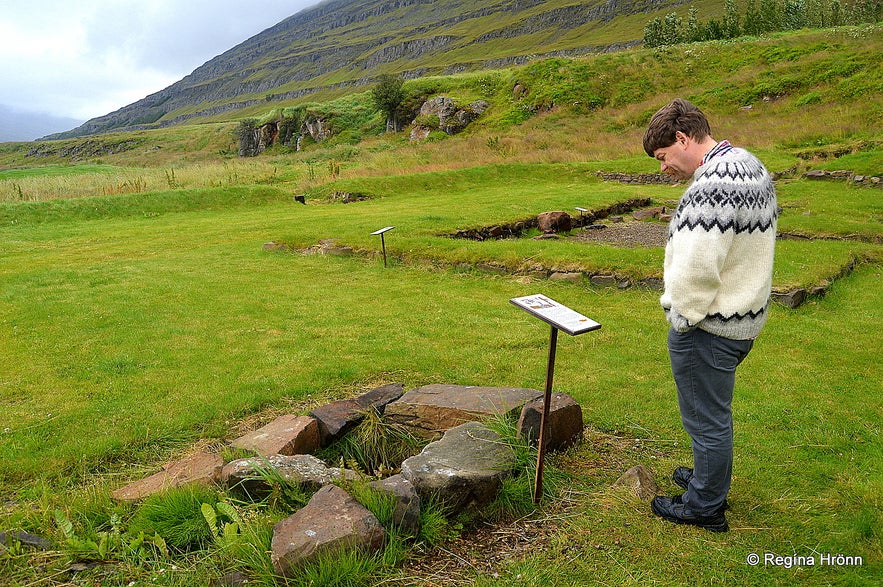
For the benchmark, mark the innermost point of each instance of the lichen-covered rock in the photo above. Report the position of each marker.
(255, 475)
(332, 520)
(465, 468)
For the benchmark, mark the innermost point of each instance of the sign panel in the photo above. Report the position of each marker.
(559, 316)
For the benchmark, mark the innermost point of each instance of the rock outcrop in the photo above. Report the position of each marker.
(443, 114)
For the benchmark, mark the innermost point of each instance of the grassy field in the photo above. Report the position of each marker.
(142, 318)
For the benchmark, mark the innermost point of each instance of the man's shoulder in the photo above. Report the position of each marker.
(736, 164)
(741, 154)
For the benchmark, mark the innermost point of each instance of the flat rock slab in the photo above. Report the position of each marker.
(251, 475)
(430, 410)
(286, 435)
(337, 418)
(331, 521)
(200, 468)
(464, 469)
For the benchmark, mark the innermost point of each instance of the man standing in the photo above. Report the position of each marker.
(718, 277)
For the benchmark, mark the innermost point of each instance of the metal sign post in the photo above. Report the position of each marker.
(382, 241)
(582, 215)
(560, 318)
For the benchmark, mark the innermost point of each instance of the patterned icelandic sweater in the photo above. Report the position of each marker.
(719, 256)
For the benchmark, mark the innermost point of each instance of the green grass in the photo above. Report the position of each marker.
(828, 208)
(176, 516)
(55, 170)
(130, 337)
(125, 305)
(147, 205)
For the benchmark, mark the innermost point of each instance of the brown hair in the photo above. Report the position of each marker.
(678, 115)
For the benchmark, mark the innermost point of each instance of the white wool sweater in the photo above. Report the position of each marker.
(719, 255)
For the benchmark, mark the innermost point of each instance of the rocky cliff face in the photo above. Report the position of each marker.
(355, 40)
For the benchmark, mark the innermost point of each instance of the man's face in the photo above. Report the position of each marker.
(675, 160)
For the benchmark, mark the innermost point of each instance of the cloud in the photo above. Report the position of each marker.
(88, 58)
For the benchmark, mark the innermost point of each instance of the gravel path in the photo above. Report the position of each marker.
(647, 233)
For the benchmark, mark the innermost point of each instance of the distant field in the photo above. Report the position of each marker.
(56, 170)
(133, 331)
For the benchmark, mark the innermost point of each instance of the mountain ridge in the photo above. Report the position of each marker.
(342, 44)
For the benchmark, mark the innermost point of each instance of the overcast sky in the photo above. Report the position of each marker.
(78, 59)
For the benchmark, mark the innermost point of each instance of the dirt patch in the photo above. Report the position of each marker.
(480, 552)
(644, 233)
(483, 550)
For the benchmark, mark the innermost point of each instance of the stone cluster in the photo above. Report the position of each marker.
(844, 175)
(550, 222)
(638, 178)
(463, 466)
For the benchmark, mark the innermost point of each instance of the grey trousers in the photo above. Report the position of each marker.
(704, 369)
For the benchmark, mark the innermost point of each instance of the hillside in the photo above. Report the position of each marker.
(777, 93)
(341, 44)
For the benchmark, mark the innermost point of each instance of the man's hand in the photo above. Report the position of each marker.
(678, 322)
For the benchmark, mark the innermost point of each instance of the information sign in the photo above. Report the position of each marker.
(559, 316)
(381, 232)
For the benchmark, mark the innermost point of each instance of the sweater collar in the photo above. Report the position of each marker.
(719, 149)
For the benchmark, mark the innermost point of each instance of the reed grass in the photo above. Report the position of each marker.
(72, 182)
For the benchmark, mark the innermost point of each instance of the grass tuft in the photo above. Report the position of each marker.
(176, 515)
(374, 446)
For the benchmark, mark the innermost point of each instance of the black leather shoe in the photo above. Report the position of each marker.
(681, 478)
(674, 510)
